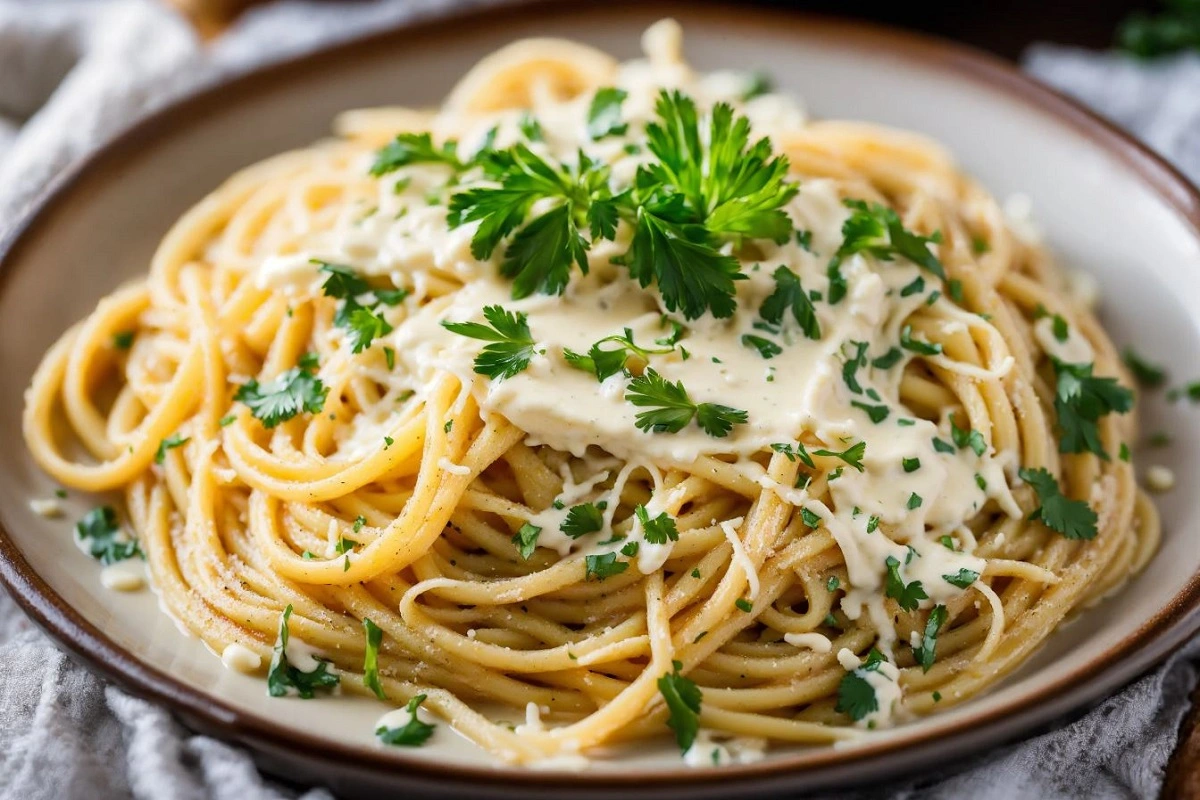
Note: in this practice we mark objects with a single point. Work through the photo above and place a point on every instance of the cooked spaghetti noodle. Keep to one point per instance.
(300, 416)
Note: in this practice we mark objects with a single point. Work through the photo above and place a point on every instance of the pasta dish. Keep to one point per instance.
(606, 402)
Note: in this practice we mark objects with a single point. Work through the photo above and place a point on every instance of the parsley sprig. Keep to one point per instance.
(789, 295)
(412, 733)
(288, 394)
(360, 310)
(856, 696)
(283, 678)
(606, 363)
(106, 541)
(877, 230)
(682, 697)
(907, 595)
(1074, 519)
(706, 185)
(1080, 399)
(511, 344)
(671, 409)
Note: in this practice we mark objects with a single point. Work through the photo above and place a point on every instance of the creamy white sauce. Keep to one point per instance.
(884, 680)
(817, 642)
(303, 656)
(128, 575)
(1160, 478)
(239, 658)
(887, 510)
(46, 507)
(713, 749)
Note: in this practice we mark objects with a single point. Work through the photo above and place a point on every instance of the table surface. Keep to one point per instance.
(1006, 34)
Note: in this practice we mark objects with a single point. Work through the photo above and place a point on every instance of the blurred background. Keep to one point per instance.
(1145, 27)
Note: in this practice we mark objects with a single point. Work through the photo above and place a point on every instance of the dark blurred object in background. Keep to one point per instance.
(1175, 28)
(1145, 28)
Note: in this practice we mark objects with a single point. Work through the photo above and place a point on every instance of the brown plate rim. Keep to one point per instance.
(321, 759)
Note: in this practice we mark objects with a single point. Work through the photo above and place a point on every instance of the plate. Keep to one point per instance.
(1106, 205)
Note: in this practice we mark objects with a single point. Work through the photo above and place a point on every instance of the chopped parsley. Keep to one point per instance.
(530, 128)
(907, 595)
(914, 501)
(682, 697)
(415, 148)
(765, 347)
(1147, 374)
(877, 413)
(284, 679)
(1074, 519)
(582, 519)
(606, 363)
(758, 83)
(360, 310)
(810, 518)
(911, 464)
(790, 295)
(106, 541)
(526, 539)
(965, 437)
(123, 340)
(888, 359)
(852, 455)
(374, 635)
(744, 605)
(917, 346)
(855, 695)
(657, 530)
(510, 344)
(877, 230)
(926, 652)
(794, 450)
(964, 577)
(1080, 399)
(412, 733)
(603, 566)
(604, 114)
(670, 408)
(290, 393)
(170, 443)
(832, 584)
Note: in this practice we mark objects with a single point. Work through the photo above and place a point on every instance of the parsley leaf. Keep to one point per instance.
(284, 679)
(692, 276)
(170, 443)
(414, 148)
(526, 539)
(964, 578)
(658, 530)
(290, 393)
(916, 345)
(765, 347)
(794, 450)
(374, 636)
(413, 733)
(878, 231)
(606, 363)
(604, 114)
(1148, 375)
(511, 345)
(968, 438)
(1080, 399)
(926, 652)
(671, 409)
(582, 519)
(603, 566)
(856, 696)
(106, 541)
(789, 294)
(907, 595)
(852, 455)
(1074, 519)
(683, 698)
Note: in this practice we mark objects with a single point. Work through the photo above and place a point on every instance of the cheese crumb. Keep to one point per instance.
(240, 658)
(48, 507)
(1160, 479)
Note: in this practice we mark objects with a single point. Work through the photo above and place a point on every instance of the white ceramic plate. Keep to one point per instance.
(1107, 206)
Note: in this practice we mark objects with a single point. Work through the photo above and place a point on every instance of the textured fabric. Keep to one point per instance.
(72, 73)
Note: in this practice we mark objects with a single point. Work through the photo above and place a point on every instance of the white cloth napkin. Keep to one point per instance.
(72, 73)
